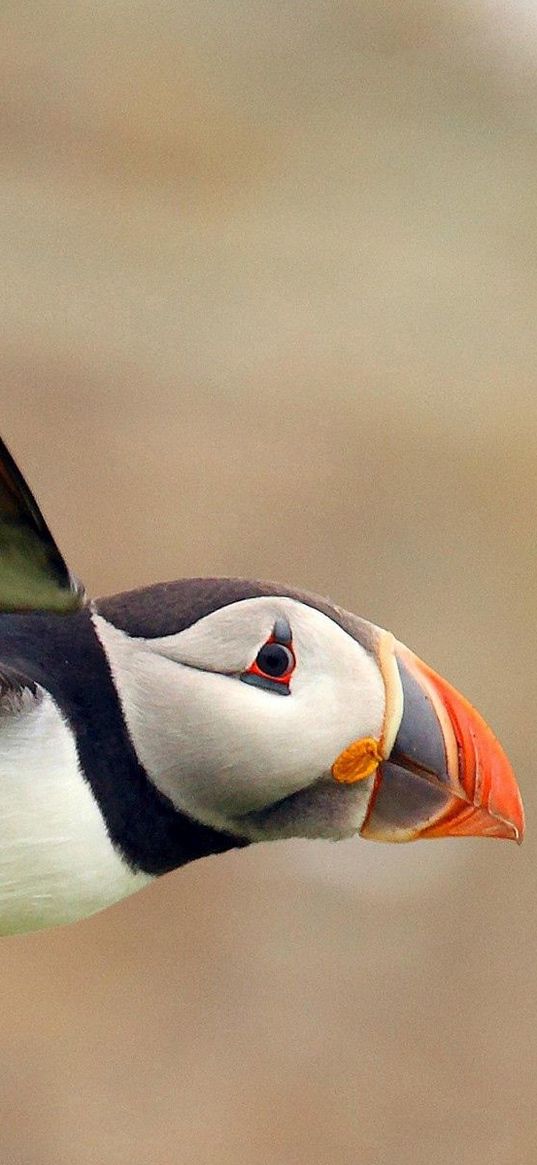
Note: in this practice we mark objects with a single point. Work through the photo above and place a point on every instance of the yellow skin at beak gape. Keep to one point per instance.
(471, 791)
(359, 760)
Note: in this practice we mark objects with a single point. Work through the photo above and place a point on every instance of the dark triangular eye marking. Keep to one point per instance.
(282, 632)
(33, 574)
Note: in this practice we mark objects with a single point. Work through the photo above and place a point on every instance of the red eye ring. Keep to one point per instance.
(274, 662)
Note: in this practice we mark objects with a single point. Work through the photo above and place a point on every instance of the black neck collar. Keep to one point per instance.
(64, 655)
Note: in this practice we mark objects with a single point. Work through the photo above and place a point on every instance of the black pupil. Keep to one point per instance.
(274, 660)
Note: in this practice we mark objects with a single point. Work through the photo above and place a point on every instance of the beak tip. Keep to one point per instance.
(505, 802)
(514, 834)
(509, 831)
(520, 829)
(519, 826)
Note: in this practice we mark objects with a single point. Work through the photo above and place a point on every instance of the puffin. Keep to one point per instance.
(145, 730)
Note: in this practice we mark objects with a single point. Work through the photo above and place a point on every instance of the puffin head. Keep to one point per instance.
(265, 713)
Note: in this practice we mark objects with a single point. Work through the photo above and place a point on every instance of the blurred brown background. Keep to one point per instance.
(269, 296)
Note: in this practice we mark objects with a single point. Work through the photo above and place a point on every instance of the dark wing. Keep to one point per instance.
(33, 574)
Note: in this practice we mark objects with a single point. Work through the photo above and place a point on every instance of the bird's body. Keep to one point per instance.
(143, 731)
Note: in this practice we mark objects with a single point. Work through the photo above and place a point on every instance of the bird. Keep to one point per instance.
(145, 730)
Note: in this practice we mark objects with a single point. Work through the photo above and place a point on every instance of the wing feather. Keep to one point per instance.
(33, 574)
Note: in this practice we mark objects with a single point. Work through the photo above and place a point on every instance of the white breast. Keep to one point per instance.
(57, 863)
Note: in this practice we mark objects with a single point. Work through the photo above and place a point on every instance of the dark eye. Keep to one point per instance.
(275, 660)
(274, 663)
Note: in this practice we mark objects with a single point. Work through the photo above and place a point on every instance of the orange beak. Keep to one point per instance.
(446, 774)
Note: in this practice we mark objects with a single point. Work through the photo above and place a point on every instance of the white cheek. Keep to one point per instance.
(220, 748)
(215, 746)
